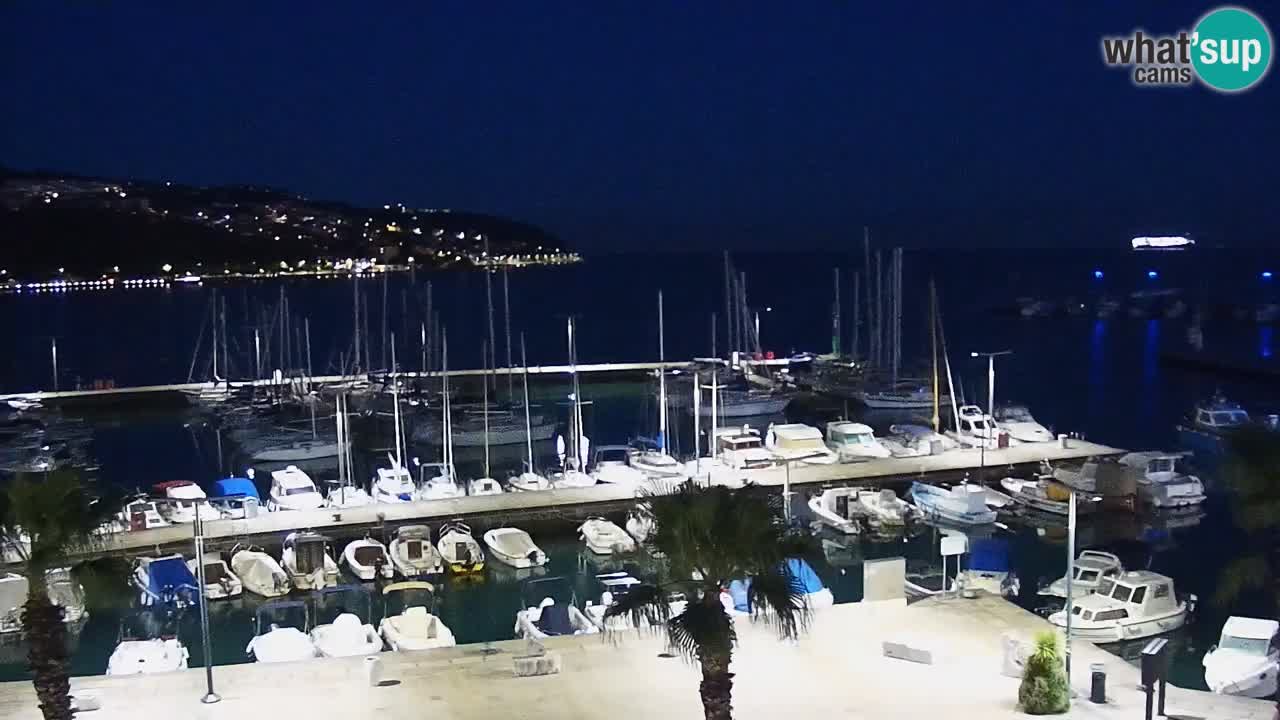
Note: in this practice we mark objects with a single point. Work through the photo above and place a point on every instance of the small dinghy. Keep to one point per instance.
(409, 620)
(604, 537)
(220, 581)
(146, 648)
(165, 580)
(280, 633)
(514, 547)
(412, 554)
(308, 561)
(459, 549)
(550, 609)
(367, 558)
(259, 572)
(884, 508)
(1246, 659)
(837, 508)
(346, 634)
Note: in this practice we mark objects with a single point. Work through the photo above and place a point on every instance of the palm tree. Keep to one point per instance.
(710, 537)
(44, 519)
(1252, 472)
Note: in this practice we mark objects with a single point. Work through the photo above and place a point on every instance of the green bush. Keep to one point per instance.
(1044, 689)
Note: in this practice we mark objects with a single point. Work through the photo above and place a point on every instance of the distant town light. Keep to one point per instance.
(1152, 274)
(1266, 274)
(1097, 274)
(166, 267)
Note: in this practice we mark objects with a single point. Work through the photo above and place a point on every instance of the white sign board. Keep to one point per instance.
(954, 545)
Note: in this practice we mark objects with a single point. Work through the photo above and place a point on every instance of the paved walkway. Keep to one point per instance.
(836, 671)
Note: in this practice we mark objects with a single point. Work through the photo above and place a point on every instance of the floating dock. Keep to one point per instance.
(579, 503)
(837, 669)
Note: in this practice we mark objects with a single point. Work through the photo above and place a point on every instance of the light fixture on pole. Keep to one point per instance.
(990, 424)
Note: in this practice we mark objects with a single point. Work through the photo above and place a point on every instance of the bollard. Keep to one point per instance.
(1098, 688)
(373, 671)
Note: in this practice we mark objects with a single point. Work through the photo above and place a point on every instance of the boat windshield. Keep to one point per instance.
(298, 490)
(1122, 593)
(853, 438)
(1251, 646)
(1014, 414)
(1105, 587)
(1229, 418)
(1086, 574)
(741, 443)
(1162, 465)
(980, 424)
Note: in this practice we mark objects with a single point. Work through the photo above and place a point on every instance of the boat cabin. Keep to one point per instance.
(291, 487)
(309, 552)
(143, 514)
(395, 482)
(1135, 594)
(1014, 413)
(977, 424)
(797, 440)
(743, 448)
(856, 438)
(1250, 636)
(1152, 466)
(610, 455)
(411, 539)
(1221, 416)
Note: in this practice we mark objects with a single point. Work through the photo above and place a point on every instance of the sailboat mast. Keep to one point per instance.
(933, 349)
(447, 423)
(488, 297)
(857, 317)
(506, 319)
(485, 400)
(571, 453)
(662, 379)
(395, 402)
(728, 311)
(697, 422)
(215, 336)
(528, 421)
(946, 360)
(715, 399)
(835, 314)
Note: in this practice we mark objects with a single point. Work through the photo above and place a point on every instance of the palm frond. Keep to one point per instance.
(701, 628)
(774, 596)
(56, 513)
(645, 605)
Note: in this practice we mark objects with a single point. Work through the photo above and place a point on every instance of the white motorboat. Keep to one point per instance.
(1046, 495)
(342, 496)
(308, 561)
(963, 504)
(409, 621)
(639, 525)
(346, 634)
(529, 481)
(367, 558)
(146, 650)
(281, 633)
(484, 486)
(611, 466)
(514, 547)
(1211, 424)
(743, 449)
(412, 553)
(164, 580)
(655, 463)
(550, 609)
(393, 484)
(837, 508)
(141, 514)
(1160, 483)
(615, 586)
(604, 537)
(997, 500)
(297, 451)
(978, 429)
(853, 441)
(794, 442)
(459, 550)
(988, 568)
(884, 508)
(63, 590)
(1091, 568)
(907, 440)
(1135, 605)
(185, 500)
(1246, 659)
(259, 573)
(293, 489)
(1017, 421)
(220, 581)
(571, 479)
(438, 482)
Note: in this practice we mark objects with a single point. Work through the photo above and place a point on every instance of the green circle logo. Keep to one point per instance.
(1231, 49)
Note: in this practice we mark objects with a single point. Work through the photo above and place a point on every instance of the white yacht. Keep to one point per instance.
(1017, 421)
(798, 442)
(837, 508)
(308, 561)
(342, 496)
(1246, 659)
(220, 581)
(976, 429)
(1133, 606)
(409, 620)
(281, 633)
(141, 514)
(393, 484)
(884, 508)
(459, 549)
(259, 573)
(964, 504)
(604, 537)
(1091, 568)
(412, 553)
(905, 398)
(367, 558)
(64, 590)
(907, 440)
(185, 500)
(571, 478)
(854, 441)
(514, 547)
(743, 449)
(530, 481)
(293, 489)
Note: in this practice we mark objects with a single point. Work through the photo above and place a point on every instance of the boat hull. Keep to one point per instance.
(1120, 632)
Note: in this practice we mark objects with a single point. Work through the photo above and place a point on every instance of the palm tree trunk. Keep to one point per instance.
(42, 622)
(717, 685)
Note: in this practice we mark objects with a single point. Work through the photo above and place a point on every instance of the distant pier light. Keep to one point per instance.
(1152, 274)
(1097, 274)
(1162, 242)
(1266, 274)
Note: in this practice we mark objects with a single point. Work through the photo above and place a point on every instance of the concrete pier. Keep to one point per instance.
(581, 502)
(836, 670)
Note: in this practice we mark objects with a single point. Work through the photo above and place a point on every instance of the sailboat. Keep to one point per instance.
(656, 462)
(345, 494)
(575, 453)
(487, 482)
(394, 484)
(529, 479)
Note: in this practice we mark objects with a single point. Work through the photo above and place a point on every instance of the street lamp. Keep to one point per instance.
(991, 399)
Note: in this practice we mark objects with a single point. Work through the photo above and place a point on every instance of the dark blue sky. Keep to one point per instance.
(681, 124)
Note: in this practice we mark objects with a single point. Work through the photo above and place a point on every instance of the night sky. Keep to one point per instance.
(669, 124)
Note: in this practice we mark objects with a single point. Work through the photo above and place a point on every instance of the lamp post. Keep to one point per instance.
(210, 697)
(991, 401)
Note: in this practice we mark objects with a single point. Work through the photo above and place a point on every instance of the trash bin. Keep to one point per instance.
(1098, 686)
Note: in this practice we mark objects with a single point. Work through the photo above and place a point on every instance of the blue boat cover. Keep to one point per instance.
(554, 620)
(803, 578)
(236, 486)
(989, 554)
(168, 577)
